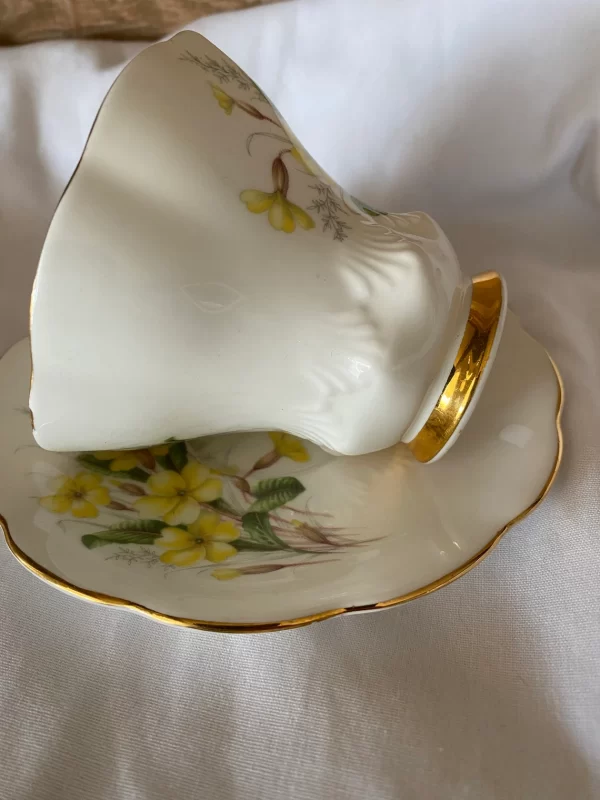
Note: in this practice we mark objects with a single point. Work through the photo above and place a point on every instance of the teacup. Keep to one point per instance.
(202, 274)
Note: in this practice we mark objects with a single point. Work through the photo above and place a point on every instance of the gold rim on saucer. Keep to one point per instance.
(469, 366)
(240, 627)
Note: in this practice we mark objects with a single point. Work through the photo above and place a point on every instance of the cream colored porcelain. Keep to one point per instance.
(261, 531)
(202, 275)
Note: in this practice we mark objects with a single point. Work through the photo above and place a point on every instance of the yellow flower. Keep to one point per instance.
(123, 460)
(288, 446)
(225, 101)
(206, 538)
(225, 573)
(176, 498)
(283, 215)
(79, 495)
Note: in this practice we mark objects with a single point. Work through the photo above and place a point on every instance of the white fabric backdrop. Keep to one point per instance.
(487, 115)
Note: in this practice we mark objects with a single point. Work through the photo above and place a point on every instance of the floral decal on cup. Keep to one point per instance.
(163, 506)
(282, 213)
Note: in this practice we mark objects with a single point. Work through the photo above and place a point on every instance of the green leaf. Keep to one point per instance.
(96, 465)
(258, 528)
(178, 455)
(92, 540)
(365, 207)
(145, 525)
(135, 532)
(274, 492)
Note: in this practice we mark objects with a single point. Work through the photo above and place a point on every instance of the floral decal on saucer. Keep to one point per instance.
(282, 213)
(163, 506)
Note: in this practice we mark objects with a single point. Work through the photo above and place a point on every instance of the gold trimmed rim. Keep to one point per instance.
(465, 382)
(252, 627)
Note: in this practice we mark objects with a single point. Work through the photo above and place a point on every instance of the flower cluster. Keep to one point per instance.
(164, 497)
(283, 215)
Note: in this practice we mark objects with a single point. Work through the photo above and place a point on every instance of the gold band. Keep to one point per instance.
(469, 365)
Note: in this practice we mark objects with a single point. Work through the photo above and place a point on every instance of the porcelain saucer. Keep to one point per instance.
(263, 531)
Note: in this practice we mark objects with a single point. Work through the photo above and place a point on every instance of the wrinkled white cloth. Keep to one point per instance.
(487, 115)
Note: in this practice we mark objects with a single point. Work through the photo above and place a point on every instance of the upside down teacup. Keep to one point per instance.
(203, 275)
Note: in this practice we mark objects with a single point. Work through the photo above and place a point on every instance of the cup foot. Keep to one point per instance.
(471, 366)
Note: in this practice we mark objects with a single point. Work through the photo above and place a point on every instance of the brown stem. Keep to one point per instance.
(253, 111)
(307, 513)
(117, 506)
(270, 458)
(281, 176)
(242, 484)
(221, 512)
(329, 528)
(146, 459)
(260, 569)
(274, 121)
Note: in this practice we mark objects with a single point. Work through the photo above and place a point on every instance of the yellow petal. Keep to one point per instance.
(280, 215)
(159, 449)
(225, 573)
(99, 496)
(57, 503)
(106, 455)
(62, 484)
(83, 508)
(302, 217)
(154, 507)
(289, 446)
(183, 558)
(123, 463)
(166, 484)
(194, 475)
(225, 101)
(205, 525)
(224, 532)
(174, 539)
(219, 551)
(120, 459)
(256, 201)
(183, 512)
(85, 481)
(210, 490)
(298, 453)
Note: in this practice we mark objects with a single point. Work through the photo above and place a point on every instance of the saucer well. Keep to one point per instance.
(262, 531)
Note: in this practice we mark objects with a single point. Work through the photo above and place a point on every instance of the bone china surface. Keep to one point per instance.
(203, 275)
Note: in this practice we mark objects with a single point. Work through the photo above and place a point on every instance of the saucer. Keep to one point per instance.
(263, 531)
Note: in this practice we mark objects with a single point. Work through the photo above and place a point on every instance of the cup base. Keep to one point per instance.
(469, 372)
